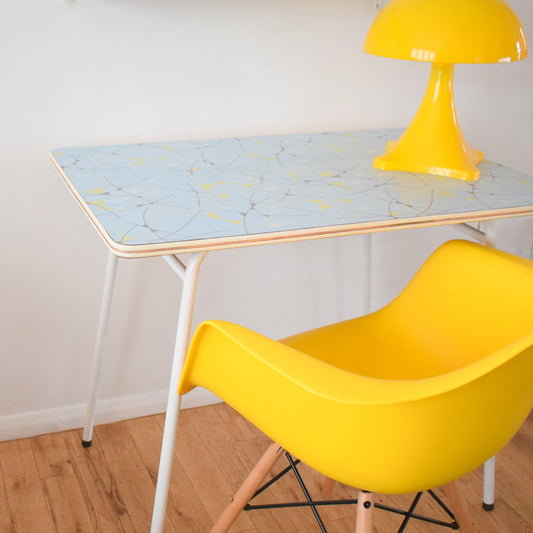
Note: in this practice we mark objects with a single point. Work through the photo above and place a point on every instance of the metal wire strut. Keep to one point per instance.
(313, 504)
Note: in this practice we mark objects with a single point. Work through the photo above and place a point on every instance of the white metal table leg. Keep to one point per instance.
(99, 348)
(489, 228)
(190, 277)
(489, 468)
(368, 275)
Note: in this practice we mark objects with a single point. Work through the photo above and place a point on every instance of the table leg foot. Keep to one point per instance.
(86, 443)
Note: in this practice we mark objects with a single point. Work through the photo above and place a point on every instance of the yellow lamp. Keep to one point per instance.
(443, 32)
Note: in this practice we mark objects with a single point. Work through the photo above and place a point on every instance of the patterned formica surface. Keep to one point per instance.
(148, 194)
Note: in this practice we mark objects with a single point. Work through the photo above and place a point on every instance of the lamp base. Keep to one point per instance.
(397, 159)
(433, 142)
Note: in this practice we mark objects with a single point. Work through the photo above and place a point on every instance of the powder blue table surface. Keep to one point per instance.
(168, 197)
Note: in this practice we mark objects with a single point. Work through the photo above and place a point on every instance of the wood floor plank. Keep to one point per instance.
(346, 525)
(73, 514)
(6, 521)
(516, 494)
(27, 504)
(51, 484)
(107, 511)
(223, 447)
(134, 486)
(239, 427)
(517, 459)
(51, 455)
(524, 437)
(185, 510)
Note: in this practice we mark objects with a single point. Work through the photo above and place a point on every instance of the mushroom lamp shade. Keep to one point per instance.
(443, 32)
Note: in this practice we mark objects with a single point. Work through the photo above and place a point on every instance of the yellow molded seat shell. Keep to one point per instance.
(404, 399)
(448, 31)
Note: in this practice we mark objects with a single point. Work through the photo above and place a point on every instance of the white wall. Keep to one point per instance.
(111, 71)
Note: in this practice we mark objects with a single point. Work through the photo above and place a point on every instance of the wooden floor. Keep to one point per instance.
(50, 483)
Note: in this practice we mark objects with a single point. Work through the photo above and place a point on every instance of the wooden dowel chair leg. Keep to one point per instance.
(458, 507)
(327, 487)
(365, 512)
(248, 489)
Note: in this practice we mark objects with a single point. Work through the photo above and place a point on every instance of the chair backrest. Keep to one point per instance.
(387, 434)
(467, 301)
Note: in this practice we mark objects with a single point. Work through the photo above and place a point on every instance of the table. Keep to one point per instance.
(160, 199)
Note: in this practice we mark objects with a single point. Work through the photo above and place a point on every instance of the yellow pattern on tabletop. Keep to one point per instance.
(321, 203)
(337, 148)
(263, 156)
(100, 204)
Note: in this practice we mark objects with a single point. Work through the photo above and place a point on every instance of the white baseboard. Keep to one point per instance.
(29, 424)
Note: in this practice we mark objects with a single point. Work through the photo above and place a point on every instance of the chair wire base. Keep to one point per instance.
(313, 504)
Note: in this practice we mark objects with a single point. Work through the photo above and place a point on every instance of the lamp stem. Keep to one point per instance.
(440, 89)
(437, 110)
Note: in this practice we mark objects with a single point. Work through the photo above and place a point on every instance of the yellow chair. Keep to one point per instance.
(404, 399)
